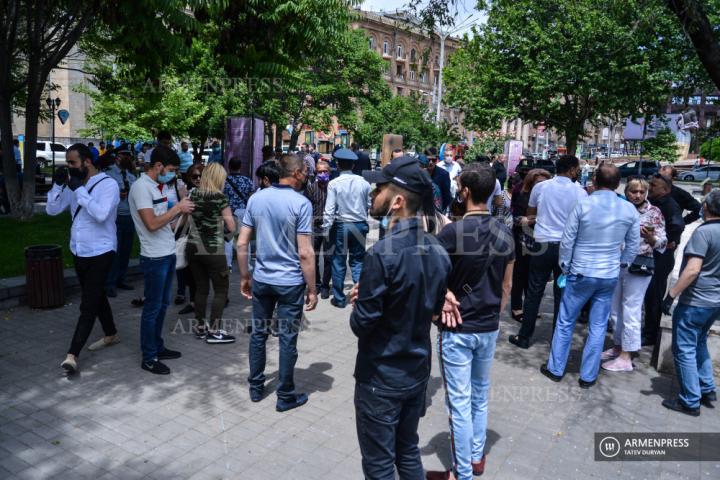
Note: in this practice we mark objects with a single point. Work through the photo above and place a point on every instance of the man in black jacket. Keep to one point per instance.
(363, 161)
(660, 195)
(682, 197)
(401, 290)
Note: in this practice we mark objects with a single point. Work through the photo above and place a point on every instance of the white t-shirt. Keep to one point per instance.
(496, 193)
(146, 193)
(554, 199)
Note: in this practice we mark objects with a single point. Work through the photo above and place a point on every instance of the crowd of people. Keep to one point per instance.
(457, 246)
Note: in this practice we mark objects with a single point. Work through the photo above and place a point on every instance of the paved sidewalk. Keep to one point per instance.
(116, 421)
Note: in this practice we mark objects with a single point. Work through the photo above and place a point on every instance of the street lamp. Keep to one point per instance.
(52, 105)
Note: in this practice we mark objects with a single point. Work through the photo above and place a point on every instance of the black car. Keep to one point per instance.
(529, 163)
(647, 168)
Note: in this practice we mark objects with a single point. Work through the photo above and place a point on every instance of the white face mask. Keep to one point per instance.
(385, 221)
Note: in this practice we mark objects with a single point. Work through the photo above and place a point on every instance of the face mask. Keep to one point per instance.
(323, 177)
(79, 173)
(385, 220)
(166, 177)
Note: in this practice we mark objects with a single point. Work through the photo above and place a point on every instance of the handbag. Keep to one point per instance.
(643, 266)
(181, 240)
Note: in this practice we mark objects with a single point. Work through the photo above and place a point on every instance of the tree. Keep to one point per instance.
(490, 144)
(710, 149)
(36, 35)
(663, 147)
(570, 64)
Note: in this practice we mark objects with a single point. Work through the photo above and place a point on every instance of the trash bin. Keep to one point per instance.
(44, 281)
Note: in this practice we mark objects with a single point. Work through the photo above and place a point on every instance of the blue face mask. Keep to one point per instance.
(166, 177)
(323, 177)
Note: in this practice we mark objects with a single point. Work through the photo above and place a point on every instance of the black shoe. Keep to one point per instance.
(283, 405)
(519, 341)
(137, 302)
(200, 333)
(586, 385)
(186, 309)
(219, 336)
(679, 407)
(125, 286)
(256, 394)
(324, 293)
(179, 299)
(337, 304)
(110, 292)
(555, 378)
(155, 367)
(707, 398)
(169, 355)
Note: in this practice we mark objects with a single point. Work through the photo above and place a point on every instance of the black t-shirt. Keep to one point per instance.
(474, 242)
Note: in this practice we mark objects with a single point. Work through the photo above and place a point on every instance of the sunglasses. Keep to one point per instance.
(195, 177)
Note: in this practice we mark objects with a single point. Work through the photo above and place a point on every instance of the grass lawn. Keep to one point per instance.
(40, 230)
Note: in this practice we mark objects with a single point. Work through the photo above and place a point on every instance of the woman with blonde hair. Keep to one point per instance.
(626, 313)
(206, 251)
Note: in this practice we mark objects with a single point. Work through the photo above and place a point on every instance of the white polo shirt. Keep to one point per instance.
(554, 199)
(146, 193)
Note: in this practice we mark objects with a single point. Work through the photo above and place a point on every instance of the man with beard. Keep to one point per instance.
(401, 290)
(92, 198)
(550, 205)
(284, 275)
(316, 192)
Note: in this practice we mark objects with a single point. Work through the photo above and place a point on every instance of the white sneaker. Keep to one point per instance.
(69, 365)
(102, 343)
(618, 365)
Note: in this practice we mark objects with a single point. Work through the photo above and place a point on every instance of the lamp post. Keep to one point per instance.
(52, 104)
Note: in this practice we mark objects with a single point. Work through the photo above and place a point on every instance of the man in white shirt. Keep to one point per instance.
(92, 198)
(550, 205)
(151, 216)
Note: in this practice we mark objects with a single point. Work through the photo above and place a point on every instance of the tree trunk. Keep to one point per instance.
(12, 186)
(698, 28)
(571, 141)
(294, 136)
(278, 136)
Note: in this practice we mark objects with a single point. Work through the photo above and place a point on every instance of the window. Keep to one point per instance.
(386, 48)
(371, 43)
(399, 51)
(41, 146)
(412, 74)
(413, 54)
(399, 71)
(399, 91)
(57, 147)
(423, 77)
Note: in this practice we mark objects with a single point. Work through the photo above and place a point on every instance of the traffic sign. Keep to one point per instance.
(63, 115)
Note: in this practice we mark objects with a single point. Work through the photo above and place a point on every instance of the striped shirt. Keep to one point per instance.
(317, 196)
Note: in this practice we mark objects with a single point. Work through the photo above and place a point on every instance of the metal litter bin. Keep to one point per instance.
(44, 280)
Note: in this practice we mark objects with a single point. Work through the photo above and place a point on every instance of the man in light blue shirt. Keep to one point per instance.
(346, 210)
(591, 256)
(284, 268)
(186, 157)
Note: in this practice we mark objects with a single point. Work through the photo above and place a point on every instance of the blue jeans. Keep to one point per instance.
(158, 273)
(349, 240)
(289, 302)
(125, 238)
(689, 346)
(465, 360)
(578, 291)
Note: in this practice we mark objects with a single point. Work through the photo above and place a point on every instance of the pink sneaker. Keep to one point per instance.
(618, 365)
(610, 354)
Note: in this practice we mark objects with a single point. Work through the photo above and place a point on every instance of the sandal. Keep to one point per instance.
(518, 317)
(137, 302)
(518, 341)
(186, 309)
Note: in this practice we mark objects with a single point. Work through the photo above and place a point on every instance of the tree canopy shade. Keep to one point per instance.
(565, 63)
(662, 147)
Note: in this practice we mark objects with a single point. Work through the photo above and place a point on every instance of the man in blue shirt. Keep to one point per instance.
(346, 210)
(186, 157)
(401, 290)
(440, 177)
(284, 268)
(591, 258)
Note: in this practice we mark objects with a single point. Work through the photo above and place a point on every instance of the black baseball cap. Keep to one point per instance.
(405, 172)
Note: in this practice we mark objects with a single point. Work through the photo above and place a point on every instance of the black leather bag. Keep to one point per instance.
(643, 266)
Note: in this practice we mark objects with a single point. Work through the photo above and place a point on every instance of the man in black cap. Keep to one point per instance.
(439, 176)
(346, 209)
(401, 290)
(363, 162)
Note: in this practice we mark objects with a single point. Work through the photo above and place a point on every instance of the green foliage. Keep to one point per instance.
(489, 143)
(710, 149)
(565, 63)
(662, 147)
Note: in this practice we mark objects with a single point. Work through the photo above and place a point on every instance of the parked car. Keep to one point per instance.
(646, 169)
(701, 173)
(44, 153)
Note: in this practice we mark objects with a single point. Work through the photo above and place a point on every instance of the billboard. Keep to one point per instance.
(244, 138)
(677, 123)
(513, 153)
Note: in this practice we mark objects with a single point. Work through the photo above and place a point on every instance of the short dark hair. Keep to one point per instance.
(313, 145)
(267, 152)
(165, 155)
(479, 178)
(269, 169)
(482, 158)
(345, 164)
(16, 142)
(102, 143)
(397, 150)
(566, 163)
(713, 202)
(413, 201)
(83, 151)
(90, 144)
(673, 171)
(354, 146)
(431, 152)
(235, 163)
(183, 143)
(607, 175)
(289, 163)
(164, 135)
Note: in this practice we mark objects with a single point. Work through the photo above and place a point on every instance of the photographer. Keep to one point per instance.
(122, 172)
(92, 198)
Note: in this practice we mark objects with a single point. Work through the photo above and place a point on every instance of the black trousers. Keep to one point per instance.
(387, 424)
(521, 270)
(664, 264)
(323, 249)
(542, 264)
(208, 268)
(92, 273)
